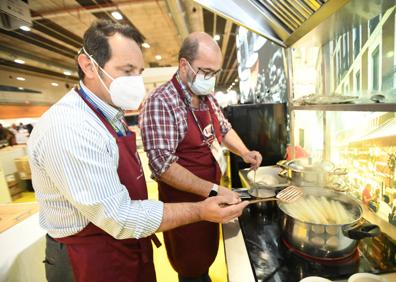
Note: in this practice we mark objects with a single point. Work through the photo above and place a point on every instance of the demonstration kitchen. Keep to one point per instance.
(309, 84)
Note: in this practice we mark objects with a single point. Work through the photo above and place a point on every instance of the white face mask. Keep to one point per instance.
(201, 86)
(126, 92)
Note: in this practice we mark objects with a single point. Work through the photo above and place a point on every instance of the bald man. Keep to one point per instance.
(183, 129)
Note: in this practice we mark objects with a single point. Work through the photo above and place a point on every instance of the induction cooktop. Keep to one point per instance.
(272, 258)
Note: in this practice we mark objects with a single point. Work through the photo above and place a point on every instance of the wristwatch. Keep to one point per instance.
(214, 191)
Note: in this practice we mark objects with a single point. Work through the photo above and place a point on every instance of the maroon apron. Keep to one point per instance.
(97, 256)
(193, 248)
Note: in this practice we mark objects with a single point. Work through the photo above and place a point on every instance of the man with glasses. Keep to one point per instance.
(182, 128)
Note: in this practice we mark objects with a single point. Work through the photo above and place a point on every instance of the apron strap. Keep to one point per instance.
(155, 240)
(100, 115)
(212, 114)
(216, 123)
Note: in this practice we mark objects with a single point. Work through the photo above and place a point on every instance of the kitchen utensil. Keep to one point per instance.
(366, 277)
(314, 279)
(378, 98)
(302, 174)
(265, 177)
(326, 241)
(287, 195)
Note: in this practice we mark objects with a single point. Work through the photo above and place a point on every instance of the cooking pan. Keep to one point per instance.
(266, 177)
(257, 192)
(312, 175)
(322, 240)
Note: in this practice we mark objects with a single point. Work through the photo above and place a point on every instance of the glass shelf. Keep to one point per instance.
(379, 107)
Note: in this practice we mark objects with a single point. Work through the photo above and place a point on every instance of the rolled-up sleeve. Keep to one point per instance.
(159, 133)
(85, 173)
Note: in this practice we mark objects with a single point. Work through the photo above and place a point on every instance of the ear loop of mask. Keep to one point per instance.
(93, 61)
(195, 73)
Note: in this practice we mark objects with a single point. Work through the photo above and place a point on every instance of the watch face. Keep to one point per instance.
(212, 193)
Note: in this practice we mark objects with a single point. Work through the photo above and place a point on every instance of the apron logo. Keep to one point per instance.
(208, 134)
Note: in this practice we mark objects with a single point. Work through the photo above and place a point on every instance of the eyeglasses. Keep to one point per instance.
(207, 74)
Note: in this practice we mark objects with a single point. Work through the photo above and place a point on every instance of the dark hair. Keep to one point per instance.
(189, 49)
(95, 40)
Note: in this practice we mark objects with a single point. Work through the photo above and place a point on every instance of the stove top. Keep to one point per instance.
(273, 260)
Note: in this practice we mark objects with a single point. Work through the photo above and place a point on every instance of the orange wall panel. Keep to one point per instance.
(21, 111)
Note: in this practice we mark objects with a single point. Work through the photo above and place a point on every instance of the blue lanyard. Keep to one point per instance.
(89, 99)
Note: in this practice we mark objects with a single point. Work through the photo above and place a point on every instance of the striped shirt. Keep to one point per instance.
(163, 124)
(74, 161)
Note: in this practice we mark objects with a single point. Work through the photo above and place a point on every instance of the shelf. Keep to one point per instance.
(391, 107)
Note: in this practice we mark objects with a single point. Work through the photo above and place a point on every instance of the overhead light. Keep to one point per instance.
(158, 57)
(67, 73)
(20, 88)
(54, 84)
(236, 79)
(19, 61)
(146, 45)
(21, 78)
(117, 15)
(25, 28)
(216, 37)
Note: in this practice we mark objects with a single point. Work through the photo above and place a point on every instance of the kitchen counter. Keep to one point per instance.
(239, 267)
(254, 255)
(22, 251)
(238, 264)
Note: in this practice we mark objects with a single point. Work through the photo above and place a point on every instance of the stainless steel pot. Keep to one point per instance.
(326, 240)
(318, 175)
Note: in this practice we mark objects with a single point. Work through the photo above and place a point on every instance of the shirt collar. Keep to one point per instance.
(111, 113)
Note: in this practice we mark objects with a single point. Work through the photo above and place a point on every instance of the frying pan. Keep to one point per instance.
(257, 193)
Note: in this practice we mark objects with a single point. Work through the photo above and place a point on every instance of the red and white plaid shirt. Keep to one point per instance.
(163, 124)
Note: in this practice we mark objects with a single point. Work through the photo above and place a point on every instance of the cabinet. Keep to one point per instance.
(358, 60)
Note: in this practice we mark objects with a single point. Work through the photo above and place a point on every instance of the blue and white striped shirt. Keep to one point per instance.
(74, 161)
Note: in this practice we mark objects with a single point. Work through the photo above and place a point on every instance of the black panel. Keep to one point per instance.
(262, 127)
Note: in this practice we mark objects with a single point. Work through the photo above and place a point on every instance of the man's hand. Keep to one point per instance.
(223, 191)
(221, 209)
(253, 158)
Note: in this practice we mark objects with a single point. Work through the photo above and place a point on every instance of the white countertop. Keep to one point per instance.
(23, 251)
(238, 264)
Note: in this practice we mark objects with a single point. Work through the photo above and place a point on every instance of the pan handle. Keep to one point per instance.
(358, 232)
(243, 193)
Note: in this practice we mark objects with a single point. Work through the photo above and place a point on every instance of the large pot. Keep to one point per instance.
(326, 240)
